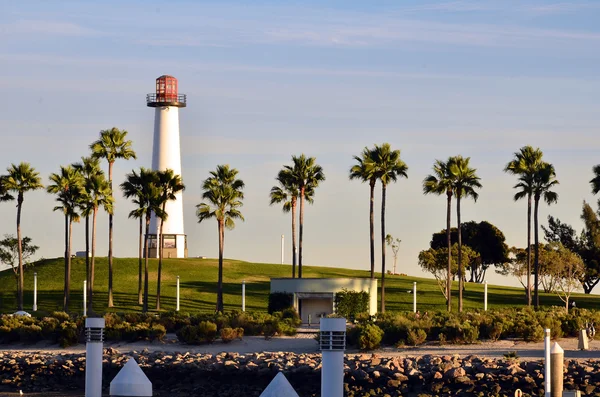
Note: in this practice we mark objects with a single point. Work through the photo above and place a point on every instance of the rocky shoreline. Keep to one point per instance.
(233, 374)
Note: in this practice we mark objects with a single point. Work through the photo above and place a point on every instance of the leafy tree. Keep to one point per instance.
(388, 168)
(143, 188)
(306, 175)
(595, 181)
(223, 197)
(434, 261)
(525, 164)
(394, 244)
(365, 171)
(464, 183)
(112, 145)
(485, 239)
(20, 179)
(169, 185)
(516, 266)
(565, 269)
(440, 182)
(9, 255)
(68, 188)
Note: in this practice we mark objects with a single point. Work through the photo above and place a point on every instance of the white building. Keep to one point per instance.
(316, 296)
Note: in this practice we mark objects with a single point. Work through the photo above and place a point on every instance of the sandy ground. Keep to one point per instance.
(304, 343)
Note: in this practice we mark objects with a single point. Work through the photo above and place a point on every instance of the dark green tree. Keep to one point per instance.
(9, 254)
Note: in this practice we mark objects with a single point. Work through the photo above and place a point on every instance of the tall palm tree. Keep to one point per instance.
(544, 180)
(111, 146)
(138, 213)
(306, 174)
(388, 168)
(525, 164)
(440, 182)
(89, 167)
(223, 197)
(464, 183)
(143, 188)
(364, 170)
(68, 186)
(169, 185)
(20, 179)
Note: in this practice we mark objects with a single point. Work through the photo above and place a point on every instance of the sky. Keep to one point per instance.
(266, 80)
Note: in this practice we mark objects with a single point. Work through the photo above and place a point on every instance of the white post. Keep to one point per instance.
(84, 298)
(415, 297)
(557, 358)
(35, 291)
(282, 248)
(177, 308)
(244, 295)
(547, 382)
(333, 344)
(485, 296)
(94, 335)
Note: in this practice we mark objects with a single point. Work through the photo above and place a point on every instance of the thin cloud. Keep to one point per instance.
(46, 27)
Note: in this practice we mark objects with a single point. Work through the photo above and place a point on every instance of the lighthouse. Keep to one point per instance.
(166, 154)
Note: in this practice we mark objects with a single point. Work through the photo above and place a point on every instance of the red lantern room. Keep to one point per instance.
(166, 93)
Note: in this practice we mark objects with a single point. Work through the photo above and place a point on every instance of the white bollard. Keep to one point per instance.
(557, 358)
(333, 344)
(177, 308)
(279, 387)
(485, 296)
(282, 249)
(84, 298)
(131, 381)
(415, 297)
(244, 295)
(94, 336)
(547, 383)
(35, 291)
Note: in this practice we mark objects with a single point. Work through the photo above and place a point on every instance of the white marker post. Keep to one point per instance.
(333, 344)
(547, 382)
(244, 295)
(282, 248)
(84, 298)
(94, 336)
(177, 308)
(35, 291)
(485, 296)
(415, 297)
(557, 359)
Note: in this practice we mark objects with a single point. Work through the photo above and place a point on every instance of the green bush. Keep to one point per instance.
(30, 333)
(61, 316)
(68, 334)
(369, 336)
(173, 321)
(291, 314)
(157, 332)
(204, 332)
(229, 334)
(350, 304)
(416, 337)
(49, 327)
(279, 301)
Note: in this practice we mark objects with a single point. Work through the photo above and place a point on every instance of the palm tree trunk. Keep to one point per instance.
(461, 281)
(220, 280)
(92, 263)
(536, 255)
(140, 255)
(528, 294)
(20, 248)
(372, 226)
(294, 204)
(110, 242)
(383, 248)
(301, 232)
(66, 290)
(87, 253)
(449, 241)
(160, 258)
(68, 286)
(145, 303)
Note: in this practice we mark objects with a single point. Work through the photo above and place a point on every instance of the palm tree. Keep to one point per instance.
(138, 213)
(544, 179)
(223, 195)
(20, 179)
(388, 168)
(364, 170)
(68, 186)
(142, 187)
(525, 164)
(464, 183)
(440, 182)
(595, 181)
(169, 185)
(306, 174)
(111, 146)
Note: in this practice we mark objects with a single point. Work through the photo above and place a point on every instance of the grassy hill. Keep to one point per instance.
(198, 279)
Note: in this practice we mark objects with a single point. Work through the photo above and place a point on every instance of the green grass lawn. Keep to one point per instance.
(199, 282)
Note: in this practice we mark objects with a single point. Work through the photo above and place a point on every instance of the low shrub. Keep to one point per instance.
(157, 332)
(229, 334)
(68, 334)
(350, 304)
(204, 332)
(416, 337)
(30, 333)
(369, 336)
(279, 301)
(61, 316)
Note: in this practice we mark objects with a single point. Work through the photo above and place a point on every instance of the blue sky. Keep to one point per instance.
(266, 80)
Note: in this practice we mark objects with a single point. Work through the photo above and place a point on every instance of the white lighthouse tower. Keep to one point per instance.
(166, 154)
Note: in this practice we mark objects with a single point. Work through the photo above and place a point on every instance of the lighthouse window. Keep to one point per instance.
(170, 241)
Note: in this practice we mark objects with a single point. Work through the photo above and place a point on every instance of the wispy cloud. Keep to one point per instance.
(47, 27)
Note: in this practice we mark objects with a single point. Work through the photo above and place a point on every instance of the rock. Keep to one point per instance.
(455, 373)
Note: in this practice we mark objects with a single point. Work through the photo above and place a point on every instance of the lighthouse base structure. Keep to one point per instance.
(174, 246)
